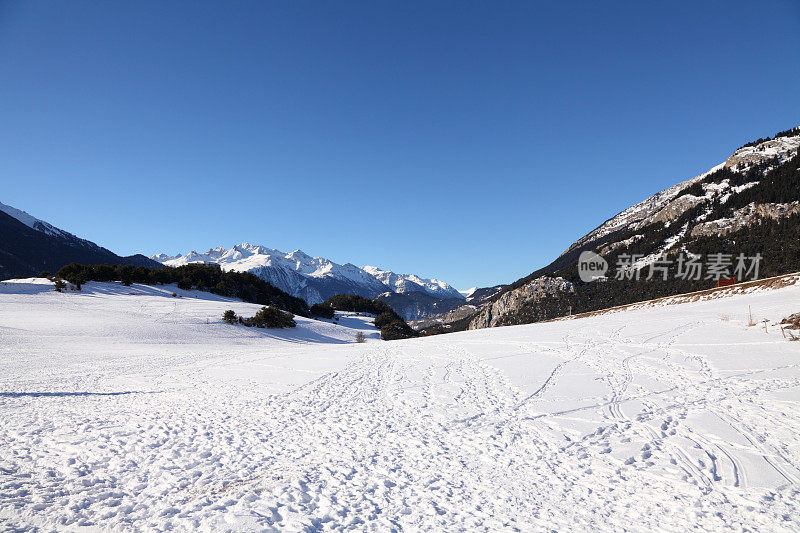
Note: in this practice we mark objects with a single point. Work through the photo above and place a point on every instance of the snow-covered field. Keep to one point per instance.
(143, 411)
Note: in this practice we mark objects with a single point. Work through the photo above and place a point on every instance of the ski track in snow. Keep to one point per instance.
(130, 412)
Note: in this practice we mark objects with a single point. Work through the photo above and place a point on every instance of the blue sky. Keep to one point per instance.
(471, 141)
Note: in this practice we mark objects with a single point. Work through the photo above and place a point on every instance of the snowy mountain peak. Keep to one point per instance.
(469, 292)
(314, 279)
(162, 258)
(404, 283)
(219, 251)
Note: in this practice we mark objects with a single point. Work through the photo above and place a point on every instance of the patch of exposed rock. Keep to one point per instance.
(510, 301)
(746, 216)
(676, 208)
(444, 319)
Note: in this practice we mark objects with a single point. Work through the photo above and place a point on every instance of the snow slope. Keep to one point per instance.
(122, 411)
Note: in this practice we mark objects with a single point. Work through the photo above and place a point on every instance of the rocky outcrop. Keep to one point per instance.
(746, 216)
(444, 320)
(781, 149)
(675, 209)
(491, 314)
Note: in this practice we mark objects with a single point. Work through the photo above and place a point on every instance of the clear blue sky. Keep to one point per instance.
(471, 141)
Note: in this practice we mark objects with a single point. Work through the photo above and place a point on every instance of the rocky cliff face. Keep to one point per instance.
(508, 302)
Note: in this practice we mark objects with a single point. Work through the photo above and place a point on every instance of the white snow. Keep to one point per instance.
(145, 412)
(20, 215)
(469, 292)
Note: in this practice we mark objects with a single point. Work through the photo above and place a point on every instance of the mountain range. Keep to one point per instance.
(748, 204)
(29, 246)
(315, 279)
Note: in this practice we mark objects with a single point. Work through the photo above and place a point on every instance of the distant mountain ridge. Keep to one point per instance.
(29, 246)
(315, 279)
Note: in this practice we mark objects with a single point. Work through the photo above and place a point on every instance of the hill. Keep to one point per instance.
(29, 246)
(747, 206)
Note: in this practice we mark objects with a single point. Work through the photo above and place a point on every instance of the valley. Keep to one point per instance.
(129, 408)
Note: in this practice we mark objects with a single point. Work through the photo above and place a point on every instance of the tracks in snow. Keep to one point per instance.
(419, 435)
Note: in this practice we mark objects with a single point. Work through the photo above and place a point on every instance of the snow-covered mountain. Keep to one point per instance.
(670, 203)
(315, 279)
(404, 283)
(44, 227)
(748, 204)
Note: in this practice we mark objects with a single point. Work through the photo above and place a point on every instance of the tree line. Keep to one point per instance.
(210, 278)
(391, 324)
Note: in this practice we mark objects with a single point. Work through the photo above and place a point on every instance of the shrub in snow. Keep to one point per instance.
(397, 330)
(229, 316)
(384, 319)
(60, 285)
(360, 337)
(322, 310)
(792, 321)
(271, 317)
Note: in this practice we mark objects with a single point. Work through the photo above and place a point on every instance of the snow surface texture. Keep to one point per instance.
(291, 272)
(143, 411)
